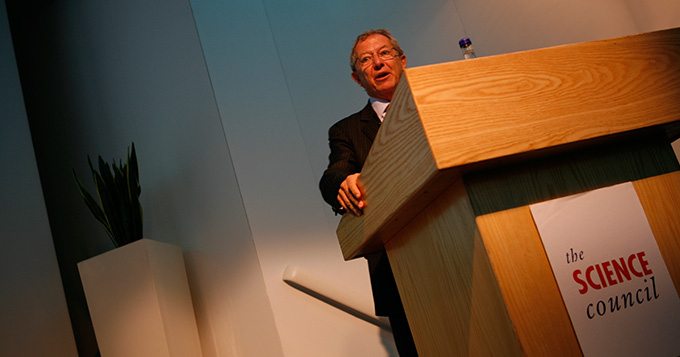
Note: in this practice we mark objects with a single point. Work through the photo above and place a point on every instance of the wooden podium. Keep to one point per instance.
(468, 145)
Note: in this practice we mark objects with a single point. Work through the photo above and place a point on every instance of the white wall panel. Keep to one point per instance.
(285, 214)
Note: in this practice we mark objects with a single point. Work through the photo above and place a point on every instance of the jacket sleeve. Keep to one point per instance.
(342, 162)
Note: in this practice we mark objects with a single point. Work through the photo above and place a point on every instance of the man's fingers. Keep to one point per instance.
(353, 186)
(349, 195)
(350, 204)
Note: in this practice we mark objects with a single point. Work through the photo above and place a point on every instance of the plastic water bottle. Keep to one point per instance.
(466, 46)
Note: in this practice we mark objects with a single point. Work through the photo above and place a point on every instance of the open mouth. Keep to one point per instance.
(382, 75)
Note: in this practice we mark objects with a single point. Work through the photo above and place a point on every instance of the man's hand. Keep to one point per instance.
(350, 195)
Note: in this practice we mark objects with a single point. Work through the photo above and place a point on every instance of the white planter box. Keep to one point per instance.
(139, 301)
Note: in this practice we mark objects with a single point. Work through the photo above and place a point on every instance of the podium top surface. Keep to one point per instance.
(497, 106)
(448, 116)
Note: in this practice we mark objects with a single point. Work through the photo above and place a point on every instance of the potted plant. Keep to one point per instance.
(119, 210)
(137, 294)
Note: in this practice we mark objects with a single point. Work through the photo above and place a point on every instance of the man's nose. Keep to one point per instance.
(377, 61)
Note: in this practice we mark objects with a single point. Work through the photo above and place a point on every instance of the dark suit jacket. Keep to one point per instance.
(350, 140)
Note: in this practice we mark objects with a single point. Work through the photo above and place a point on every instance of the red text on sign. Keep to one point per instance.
(612, 272)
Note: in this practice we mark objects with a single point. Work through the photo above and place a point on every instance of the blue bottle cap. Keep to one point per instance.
(464, 41)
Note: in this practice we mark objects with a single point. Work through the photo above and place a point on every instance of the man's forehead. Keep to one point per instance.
(381, 41)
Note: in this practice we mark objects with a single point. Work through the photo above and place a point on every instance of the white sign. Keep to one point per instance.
(612, 277)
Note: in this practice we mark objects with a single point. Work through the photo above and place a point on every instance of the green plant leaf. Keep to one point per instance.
(119, 210)
(134, 191)
(125, 204)
(108, 197)
(93, 206)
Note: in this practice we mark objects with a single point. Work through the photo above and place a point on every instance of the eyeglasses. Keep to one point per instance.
(385, 54)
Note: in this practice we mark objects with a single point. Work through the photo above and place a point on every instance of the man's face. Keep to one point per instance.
(378, 76)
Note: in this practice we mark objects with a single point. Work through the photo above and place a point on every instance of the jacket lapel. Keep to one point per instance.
(369, 122)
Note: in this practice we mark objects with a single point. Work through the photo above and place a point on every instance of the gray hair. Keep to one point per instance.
(363, 36)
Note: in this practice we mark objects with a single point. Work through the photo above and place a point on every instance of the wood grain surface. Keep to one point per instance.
(508, 104)
(446, 282)
(527, 283)
(660, 198)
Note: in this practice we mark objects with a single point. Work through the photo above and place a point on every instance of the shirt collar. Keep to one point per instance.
(379, 106)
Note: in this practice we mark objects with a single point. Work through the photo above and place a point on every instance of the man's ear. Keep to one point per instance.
(355, 77)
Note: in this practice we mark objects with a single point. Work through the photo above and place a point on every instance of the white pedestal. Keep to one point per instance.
(139, 301)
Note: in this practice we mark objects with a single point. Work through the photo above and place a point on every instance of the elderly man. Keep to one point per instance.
(377, 62)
